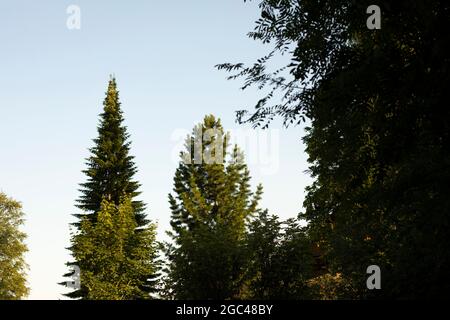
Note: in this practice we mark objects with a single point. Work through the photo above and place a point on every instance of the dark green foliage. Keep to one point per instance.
(379, 135)
(210, 207)
(129, 270)
(208, 263)
(110, 167)
(281, 261)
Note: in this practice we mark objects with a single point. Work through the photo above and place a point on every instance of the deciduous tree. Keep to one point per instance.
(12, 248)
(378, 137)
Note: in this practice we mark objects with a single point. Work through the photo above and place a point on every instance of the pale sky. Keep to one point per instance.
(163, 53)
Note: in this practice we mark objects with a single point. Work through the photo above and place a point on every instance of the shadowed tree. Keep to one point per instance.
(281, 261)
(379, 134)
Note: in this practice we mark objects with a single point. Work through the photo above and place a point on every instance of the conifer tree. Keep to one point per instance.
(110, 167)
(116, 262)
(12, 248)
(211, 204)
(110, 177)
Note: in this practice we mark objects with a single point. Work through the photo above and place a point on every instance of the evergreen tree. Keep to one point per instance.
(109, 177)
(12, 248)
(116, 262)
(110, 167)
(210, 208)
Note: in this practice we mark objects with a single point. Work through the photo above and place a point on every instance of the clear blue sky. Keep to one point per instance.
(52, 84)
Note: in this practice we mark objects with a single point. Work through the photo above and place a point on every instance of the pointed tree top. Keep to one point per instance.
(112, 83)
(111, 102)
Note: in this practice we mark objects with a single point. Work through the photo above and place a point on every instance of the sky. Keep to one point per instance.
(52, 84)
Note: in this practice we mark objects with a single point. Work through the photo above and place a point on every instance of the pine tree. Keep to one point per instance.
(12, 248)
(109, 177)
(210, 208)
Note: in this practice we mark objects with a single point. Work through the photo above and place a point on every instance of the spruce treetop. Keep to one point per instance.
(110, 167)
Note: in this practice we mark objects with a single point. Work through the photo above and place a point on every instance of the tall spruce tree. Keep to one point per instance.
(110, 167)
(110, 178)
(211, 205)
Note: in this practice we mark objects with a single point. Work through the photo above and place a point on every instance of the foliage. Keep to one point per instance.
(378, 138)
(331, 287)
(115, 259)
(12, 248)
(110, 177)
(110, 167)
(211, 203)
(281, 261)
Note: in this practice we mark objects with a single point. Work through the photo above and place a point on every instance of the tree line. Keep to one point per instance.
(377, 144)
(223, 245)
